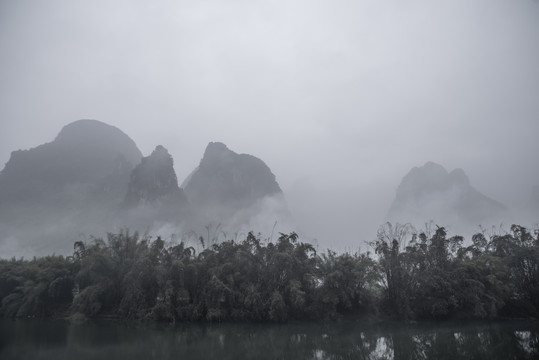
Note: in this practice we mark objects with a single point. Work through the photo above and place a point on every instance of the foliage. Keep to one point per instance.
(439, 278)
(40, 287)
(412, 275)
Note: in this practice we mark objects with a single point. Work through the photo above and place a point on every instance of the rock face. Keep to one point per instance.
(226, 183)
(431, 193)
(153, 185)
(92, 179)
(226, 178)
(75, 184)
(154, 180)
(86, 154)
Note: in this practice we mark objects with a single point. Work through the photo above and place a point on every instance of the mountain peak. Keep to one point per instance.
(160, 152)
(94, 135)
(431, 193)
(215, 147)
(68, 186)
(430, 169)
(229, 180)
(217, 153)
(84, 152)
(154, 179)
(84, 129)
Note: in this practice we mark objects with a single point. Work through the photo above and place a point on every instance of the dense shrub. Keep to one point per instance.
(411, 276)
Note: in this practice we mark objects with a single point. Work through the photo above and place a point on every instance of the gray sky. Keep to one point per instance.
(340, 98)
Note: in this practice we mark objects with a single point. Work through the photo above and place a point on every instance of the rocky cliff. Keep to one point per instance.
(153, 189)
(53, 194)
(233, 188)
(86, 156)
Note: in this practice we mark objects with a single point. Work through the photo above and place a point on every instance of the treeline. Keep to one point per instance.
(411, 276)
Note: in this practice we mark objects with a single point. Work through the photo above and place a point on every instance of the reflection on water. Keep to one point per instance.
(47, 339)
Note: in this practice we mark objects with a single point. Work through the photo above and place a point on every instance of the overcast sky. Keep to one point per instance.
(340, 98)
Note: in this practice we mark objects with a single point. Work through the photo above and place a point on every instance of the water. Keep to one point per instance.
(56, 339)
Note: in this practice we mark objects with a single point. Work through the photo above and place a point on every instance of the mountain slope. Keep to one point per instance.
(85, 152)
(229, 179)
(233, 188)
(431, 193)
(153, 192)
(73, 185)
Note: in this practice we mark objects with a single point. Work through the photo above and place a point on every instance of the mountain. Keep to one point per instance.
(229, 179)
(431, 192)
(229, 187)
(92, 179)
(75, 184)
(86, 154)
(153, 189)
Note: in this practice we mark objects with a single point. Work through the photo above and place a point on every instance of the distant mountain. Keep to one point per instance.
(153, 186)
(431, 193)
(74, 184)
(86, 154)
(228, 187)
(154, 180)
(92, 179)
(226, 178)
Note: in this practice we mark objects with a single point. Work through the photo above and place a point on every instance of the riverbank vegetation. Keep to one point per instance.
(410, 276)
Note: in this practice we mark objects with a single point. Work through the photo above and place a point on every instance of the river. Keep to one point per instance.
(102, 339)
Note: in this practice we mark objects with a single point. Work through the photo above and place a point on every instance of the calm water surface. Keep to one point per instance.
(56, 339)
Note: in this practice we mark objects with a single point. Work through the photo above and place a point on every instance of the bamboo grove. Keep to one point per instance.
(410, 276)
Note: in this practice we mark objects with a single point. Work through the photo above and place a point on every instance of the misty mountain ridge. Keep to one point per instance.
(234, 189)
(52, 193)
(85, 153)
(431, 192)
(154, 180)
(93, 178)
(153, 193)
(230, 179)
